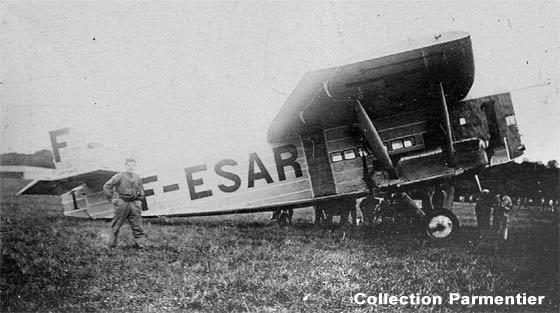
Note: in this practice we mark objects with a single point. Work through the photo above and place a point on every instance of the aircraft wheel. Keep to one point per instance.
(441, 224)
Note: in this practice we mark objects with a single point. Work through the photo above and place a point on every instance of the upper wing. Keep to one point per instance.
(385, 85)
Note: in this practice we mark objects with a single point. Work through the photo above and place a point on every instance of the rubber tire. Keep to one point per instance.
(447, 217)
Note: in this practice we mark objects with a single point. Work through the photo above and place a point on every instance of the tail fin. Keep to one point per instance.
(72, 152)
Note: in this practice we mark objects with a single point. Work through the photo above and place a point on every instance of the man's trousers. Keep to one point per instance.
(131, 212)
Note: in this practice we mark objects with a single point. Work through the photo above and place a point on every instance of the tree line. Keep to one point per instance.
(532, 180)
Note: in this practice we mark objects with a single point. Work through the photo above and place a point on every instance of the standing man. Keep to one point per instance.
(500, 215)
(319, 214)
(483, 212)
(127, 186)
(368, 206)
(438, 198)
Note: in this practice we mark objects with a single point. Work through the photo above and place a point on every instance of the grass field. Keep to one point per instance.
(246, 263)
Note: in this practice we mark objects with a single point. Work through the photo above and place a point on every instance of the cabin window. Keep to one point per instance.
(510, 120)
(408, 142)
(349, 154)
(462, 121)
(396, 144)
(336, 157)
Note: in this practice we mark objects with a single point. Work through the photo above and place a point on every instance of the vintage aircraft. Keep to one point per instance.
(396, 123)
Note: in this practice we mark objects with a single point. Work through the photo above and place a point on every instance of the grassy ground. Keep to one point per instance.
(246, 263)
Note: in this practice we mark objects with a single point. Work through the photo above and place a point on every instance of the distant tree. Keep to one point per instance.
(41, 158)
(552, 164)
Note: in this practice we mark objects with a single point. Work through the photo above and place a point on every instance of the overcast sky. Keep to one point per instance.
(195, 78)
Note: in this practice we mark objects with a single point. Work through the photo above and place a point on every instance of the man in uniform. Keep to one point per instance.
(127, 186)
(483, 212)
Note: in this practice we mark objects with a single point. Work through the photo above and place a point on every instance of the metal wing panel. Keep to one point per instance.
(94, 179)
(396, 82)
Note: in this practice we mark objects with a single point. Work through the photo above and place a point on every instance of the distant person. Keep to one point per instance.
(331, 210)
(483, 212)
(126, 193)
(319, 214)
(340, 208)
(275, 215)
(500, 215)
(438, 198)
(369, 206)
(349, 208)
(283, 216)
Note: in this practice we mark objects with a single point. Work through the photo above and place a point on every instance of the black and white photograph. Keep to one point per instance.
(279, 156)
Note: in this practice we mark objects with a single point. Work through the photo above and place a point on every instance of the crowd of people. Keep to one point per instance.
(543, 205)
(492, 214)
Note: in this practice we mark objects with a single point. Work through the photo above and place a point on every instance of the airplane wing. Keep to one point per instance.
(387, 85)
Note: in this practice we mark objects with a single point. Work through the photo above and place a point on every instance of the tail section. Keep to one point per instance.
(83, 202)
(82, 168)
(73, 153)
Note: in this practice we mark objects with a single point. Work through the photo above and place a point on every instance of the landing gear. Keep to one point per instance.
(435, 217)
(441, 224)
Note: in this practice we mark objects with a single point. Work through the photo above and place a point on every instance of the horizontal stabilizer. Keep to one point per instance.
(57, 186)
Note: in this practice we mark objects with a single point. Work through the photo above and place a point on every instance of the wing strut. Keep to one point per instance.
(372, 137)
(449, 134)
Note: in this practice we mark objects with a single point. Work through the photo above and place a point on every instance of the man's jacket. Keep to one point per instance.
(127, 185)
